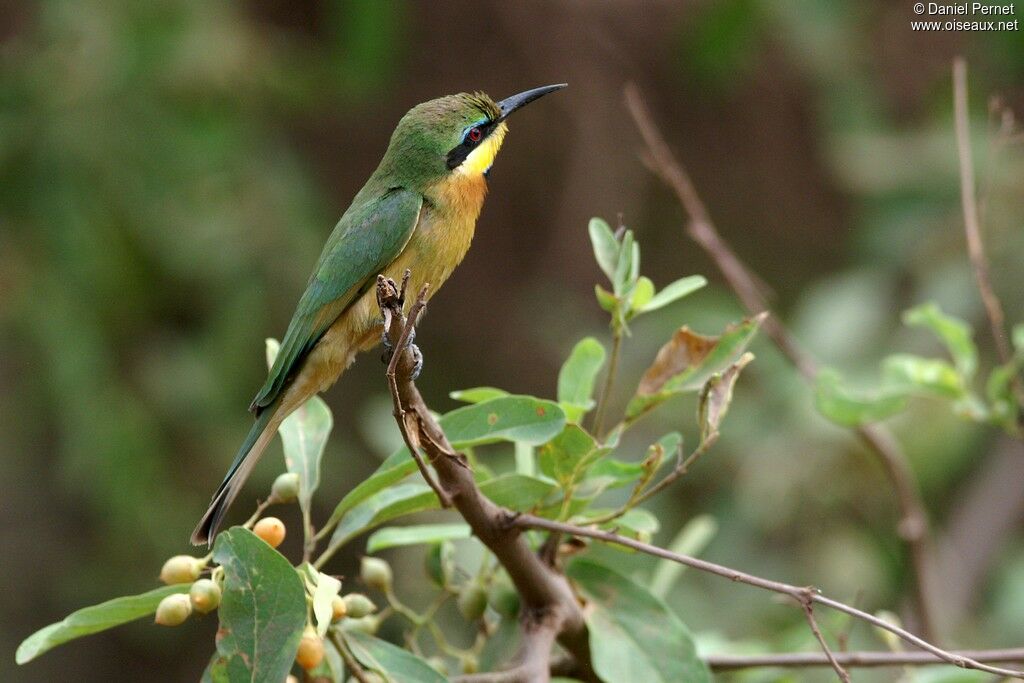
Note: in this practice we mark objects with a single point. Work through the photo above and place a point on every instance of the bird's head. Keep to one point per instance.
(457, 134)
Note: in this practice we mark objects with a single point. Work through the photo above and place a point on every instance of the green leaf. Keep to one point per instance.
(380, 507)
(509, 418)
(624, 266)
(94, 619)
(904, 372)
(263, 610)
(634, 265)
(576, 378)
(606, 247)
(635, 523)
(633, 635)
(716, 395)
(642, 294)
(396, 664)
(416, 535)
(1017, 337)
(386, 476)
(517, 492)
(673, 292)
(567, 457)
(954, 333)
(477, 394)
(612, 473)
(605, 299)
(523, 419)
(501, 647)
(999, 391)
(514, 491)
(845, 407)
(304, 434)
(687, 361)
(439, 563)
(691, 540)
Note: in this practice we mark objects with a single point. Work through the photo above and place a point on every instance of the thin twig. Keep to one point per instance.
(609, 383)
(350, 661)
(797, 593)
(913, 525)
(640, 496)
(796, 660)
(808, 606)
(403, 341)
(972, 224)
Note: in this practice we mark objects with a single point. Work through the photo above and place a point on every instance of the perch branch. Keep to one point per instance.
(913, 525)
(549, 608)
(799, 660)
(801, 595)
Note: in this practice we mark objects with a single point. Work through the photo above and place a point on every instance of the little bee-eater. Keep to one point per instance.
(418, 211)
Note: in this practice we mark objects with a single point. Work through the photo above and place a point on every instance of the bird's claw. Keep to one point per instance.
(389, 349)
(417, 357)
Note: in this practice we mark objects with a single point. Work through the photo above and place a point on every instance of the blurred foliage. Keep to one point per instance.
(168, 171)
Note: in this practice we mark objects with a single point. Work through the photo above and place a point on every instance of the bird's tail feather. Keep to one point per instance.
(260, 436)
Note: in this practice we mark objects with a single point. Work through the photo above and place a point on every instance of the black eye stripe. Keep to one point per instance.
(458, 154)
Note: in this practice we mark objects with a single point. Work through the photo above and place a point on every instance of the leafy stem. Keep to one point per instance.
(609, 381)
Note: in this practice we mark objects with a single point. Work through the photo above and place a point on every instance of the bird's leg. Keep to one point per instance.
(385, 340)
(417, 357)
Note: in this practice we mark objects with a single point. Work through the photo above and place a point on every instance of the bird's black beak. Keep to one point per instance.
(510, 104)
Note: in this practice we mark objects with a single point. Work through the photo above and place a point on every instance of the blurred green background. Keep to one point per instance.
(169, 171)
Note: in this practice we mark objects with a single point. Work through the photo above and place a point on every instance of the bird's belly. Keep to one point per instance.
(436, 247)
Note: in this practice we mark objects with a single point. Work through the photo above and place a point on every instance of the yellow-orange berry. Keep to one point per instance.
(311, 650)
(271, 530)
(338, 608)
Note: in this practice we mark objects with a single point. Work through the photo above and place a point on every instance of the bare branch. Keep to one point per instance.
(549, 607)
(808, 606)
(533, 659)
(856, 659)
(797, 593)
(351, 664)
(972, 223)
(913, 525)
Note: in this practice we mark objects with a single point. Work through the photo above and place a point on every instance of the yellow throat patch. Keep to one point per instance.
(481, 158)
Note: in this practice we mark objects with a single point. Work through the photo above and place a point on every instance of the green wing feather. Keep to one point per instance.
(365, 241)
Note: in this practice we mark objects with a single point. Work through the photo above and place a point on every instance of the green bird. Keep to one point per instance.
(418, 211)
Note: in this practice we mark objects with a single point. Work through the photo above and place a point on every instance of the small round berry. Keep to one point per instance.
(375, 573)
(173, 610)
(311, 650)
(472, 601)
(358, 605)
(204, 595)
(271, 530)
(285, 488)
(338, 608)
(181, 569)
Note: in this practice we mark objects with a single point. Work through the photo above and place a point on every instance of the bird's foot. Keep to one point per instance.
(389, 347)
(417, 357)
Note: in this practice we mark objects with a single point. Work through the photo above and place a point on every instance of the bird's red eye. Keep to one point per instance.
(475, 134)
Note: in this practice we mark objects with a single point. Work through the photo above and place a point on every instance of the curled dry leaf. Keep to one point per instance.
(716, 396)
(685, 349)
